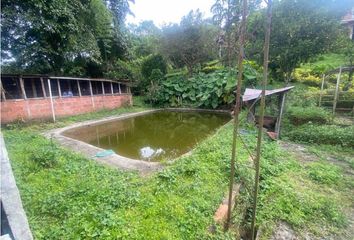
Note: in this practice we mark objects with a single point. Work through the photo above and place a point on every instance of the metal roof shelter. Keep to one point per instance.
(251, 94)
(250, 98)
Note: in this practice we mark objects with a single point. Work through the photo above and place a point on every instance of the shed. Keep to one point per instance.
(28, 97)
(272, 123)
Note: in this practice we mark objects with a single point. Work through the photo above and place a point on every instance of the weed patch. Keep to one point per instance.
(324, 173)
(323, 134)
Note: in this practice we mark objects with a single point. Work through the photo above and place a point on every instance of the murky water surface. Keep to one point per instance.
(154, 136)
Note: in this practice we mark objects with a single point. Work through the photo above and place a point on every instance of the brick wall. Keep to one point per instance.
(40, 108)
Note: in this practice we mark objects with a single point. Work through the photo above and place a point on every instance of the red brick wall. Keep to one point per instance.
(29, 109)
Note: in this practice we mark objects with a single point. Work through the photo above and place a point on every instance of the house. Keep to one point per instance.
(348, 20)
(28, 97)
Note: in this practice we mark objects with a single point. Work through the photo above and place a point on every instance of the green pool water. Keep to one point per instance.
(153, 136)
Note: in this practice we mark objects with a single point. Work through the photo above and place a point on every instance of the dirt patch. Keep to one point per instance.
(299, 151)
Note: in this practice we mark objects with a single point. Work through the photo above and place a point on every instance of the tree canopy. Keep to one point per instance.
(65, 36)
(91, 38)
(300, 30)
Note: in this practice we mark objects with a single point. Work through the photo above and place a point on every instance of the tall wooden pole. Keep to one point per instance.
(322, 85)
(336, 92)
(261, 117)
(237, 109)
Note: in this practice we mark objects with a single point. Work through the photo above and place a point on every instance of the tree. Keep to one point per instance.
(301, 30)
(61, 37)
(345, 46)
(151, 63)
(145, 39)
(189, 43)
(227, 15)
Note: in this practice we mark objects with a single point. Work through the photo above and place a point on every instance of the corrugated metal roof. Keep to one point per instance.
(24, 76)
(251, 94)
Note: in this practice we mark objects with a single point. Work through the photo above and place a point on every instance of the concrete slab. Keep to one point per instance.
(11, 200)
(113, 160)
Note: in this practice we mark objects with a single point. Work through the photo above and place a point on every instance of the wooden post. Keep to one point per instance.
(322, 85)
(120, 91)
(43, 88)
(34, 90)
(111, 88)
(59, 90)
(92, 100)
(336, 92)
(261, 116)
(78, 87)
(237, 111)
(103, 93)
(22, 85)
(2, 91)
(51, 99)
(69, 85)
(281, 110)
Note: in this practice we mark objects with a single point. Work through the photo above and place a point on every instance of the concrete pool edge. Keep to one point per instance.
(113, 160)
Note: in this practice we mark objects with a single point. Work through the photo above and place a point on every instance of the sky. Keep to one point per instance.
(166, 11)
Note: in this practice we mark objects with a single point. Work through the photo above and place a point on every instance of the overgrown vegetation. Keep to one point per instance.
(73, 197)
(211, 90)
(323, 134)
(186, 64)
(302, 115)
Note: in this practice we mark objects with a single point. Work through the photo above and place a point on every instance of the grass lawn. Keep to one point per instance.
(67, 196)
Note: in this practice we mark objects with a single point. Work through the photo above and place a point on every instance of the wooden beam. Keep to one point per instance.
(92, 100)
(51, 100)
(69, 84)
(43, 88)
(22, 85)
(321, 92)
(59, 90)
(120, 91)
(2, 91)
(102, 88)
(111, 88)
(90, 85)
(336, 92)
(78, 87)
(281, 106)
(34, 90)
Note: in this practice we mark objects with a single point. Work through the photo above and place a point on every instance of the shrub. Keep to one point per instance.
(45, 156)
(151, 63)
(210, 69)
(324, 173)
(302, 96)
(301, 115)
(324, 134)
(203, 90)
(307, 77)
